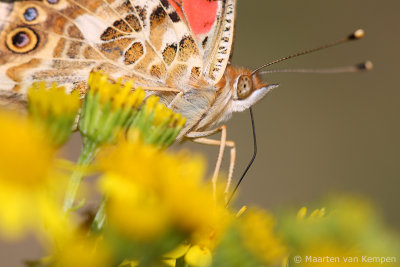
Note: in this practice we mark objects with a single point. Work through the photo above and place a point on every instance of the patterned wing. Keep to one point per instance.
(212, 24)
(41, 40)
(159, 43)
(62, 40)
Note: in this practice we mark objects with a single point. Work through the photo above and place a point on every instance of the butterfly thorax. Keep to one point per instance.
(207, 108)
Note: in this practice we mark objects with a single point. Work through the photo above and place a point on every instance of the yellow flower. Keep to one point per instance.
(346, 229)
(156, 124)
(118, 93)
(136, 210)
(178, 252)
(54, 110)
(70, 245)
(108, 108)
(161, 190)
(25, 167)
(53, 101)
(132, 161)
(198, 256)
(190, 202)
(316, 214)
(83, 251)
(257, 228)
(130, 263)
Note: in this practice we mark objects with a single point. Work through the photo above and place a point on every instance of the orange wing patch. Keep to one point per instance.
(187, 48)
(169, 53)
(134, 53)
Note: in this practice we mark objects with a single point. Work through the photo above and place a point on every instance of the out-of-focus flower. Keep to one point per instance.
(79, 250)
(168, 193)
(198, 256)
(54, 110)
(173, 183)
(25, 169)
(134, 209)
(339, 235)
(152, 194)
(316, 214)
(156, 208)
(178, 252)
(257, 228)
(251, 240)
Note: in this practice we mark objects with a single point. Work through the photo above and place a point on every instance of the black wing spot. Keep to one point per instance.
(157, 16)
(165, 3)
(204, 43)
(174, 17)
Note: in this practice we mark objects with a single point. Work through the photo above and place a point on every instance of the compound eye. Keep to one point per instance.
(244, 86)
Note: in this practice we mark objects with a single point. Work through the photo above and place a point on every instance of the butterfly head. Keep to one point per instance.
(247, 89)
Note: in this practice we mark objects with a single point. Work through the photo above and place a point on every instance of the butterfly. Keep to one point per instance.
(179, 50)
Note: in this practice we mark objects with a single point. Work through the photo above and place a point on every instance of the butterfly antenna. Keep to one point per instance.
(364, 66)
(358, 34)
(251, 161)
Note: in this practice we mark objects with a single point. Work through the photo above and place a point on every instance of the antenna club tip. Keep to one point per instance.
(358, 34)
(368, 65)
(365, 66)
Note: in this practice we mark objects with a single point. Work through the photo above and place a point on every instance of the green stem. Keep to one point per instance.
(100, 217)
(88, 152)
(181, 262)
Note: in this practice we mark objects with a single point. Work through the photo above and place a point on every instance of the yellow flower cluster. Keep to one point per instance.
(162, 190)
(54, 110)
(157, 209)
(152, 194)
(156, 124)
(78, 250)
(258, 230)
(118, 94)
(162, 114)
(108, 108)
(345, 233)
(112, 109)
(53, 100)
(316, 214)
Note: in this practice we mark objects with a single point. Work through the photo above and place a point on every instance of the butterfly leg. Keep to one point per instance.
(161, 89)
(196, 136)
(232, 146)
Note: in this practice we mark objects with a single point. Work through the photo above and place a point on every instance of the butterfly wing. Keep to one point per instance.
(157, 42)
(212, 25)
(62, 40)
(40, 41)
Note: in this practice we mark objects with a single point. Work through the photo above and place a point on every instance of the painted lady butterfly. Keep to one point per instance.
(179, 50)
